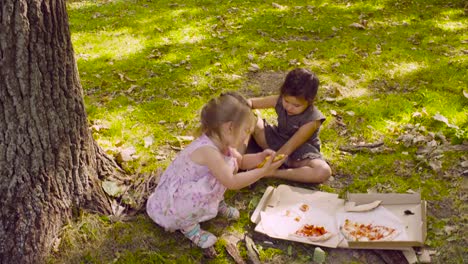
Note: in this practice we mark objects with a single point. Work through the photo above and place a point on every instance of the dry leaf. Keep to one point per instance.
(418, 139)
(117, 209)
(99, 127)
(126, 154)
(148, 141)
(443, 119)
(132, 87)
(436, 165)
(180, 124)
(357, 26)
(184, 139)
(464, 164)
(112, 188)
(280, 7)
(449, 229)
(254, 67)
(252, 250)
(432, 143)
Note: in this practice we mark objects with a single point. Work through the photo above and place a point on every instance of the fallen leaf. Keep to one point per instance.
(280, 7)
(443, 119)
(126, 154)
(112, 188)
(424, 256)
(99, 127)
(148, 141)
(329, 99)
(449, 229)
(180, 124)
(464, 164)
(185, 139)
(254, 67)
(117, 209)
(231, 248)
(432, 143)
(252, 251)
(357, 26)
(132, 87)
(436, 165)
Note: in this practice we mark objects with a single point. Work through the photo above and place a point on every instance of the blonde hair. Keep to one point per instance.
(228, 107)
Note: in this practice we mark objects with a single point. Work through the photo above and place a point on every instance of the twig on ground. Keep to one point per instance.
(360, 147)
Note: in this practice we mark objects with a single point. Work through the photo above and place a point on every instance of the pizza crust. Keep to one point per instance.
(352, 231)
(323, 237)
(314, 238)
(352, 207)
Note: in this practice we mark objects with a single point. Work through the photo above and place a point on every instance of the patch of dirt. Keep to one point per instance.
(262, 83)
(339, 180)
(441, 209)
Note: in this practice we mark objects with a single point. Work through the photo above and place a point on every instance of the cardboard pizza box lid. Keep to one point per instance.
(282, 196)
(410, 210)
(275, 200)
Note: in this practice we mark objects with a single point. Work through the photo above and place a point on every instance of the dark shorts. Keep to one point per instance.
(275, 141)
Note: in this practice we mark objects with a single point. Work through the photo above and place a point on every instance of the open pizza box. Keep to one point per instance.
(279, 215)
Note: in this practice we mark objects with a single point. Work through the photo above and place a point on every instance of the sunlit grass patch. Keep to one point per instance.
(114, 44)
(147, 68)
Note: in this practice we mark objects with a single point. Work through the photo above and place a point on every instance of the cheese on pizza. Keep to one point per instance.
(313, 233)
(355, 231)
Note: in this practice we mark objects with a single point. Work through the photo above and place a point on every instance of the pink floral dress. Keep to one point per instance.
(187, 192)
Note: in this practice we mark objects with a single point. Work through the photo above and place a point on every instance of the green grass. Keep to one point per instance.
(148, 66)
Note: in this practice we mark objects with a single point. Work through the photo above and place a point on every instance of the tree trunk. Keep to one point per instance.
(49, 162)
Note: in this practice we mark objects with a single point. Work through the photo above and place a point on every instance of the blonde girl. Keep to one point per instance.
(191, 190)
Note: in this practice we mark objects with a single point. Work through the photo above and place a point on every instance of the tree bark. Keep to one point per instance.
(49, 162)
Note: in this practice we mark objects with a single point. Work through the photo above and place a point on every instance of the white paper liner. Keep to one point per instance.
(283, 225)
(378, 216)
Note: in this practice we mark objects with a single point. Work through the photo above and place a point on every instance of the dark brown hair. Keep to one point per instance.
(301, 83)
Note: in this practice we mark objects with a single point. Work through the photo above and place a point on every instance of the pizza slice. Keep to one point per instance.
(355, 231)
(277, 157)
(313, 233)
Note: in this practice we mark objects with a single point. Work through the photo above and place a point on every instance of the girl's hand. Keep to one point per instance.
(262, 156)
(272, 163)
(266, 153)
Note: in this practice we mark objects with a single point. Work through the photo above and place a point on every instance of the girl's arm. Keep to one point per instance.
(263, 102)
(213, 159)
(299, 138)
(250, 161)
